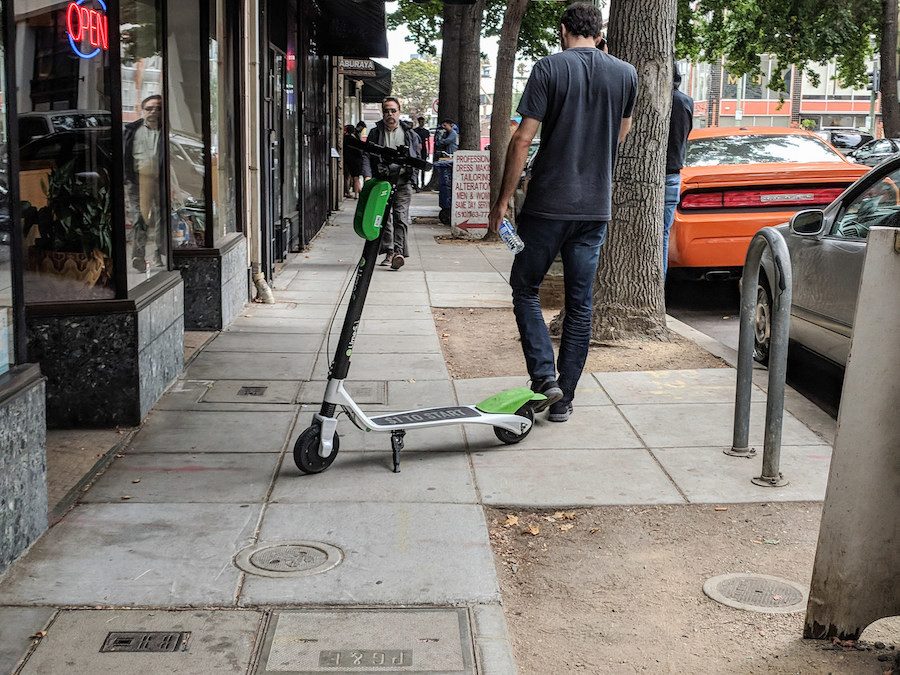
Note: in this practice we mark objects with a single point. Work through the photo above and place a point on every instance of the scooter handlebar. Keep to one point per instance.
(399, 156)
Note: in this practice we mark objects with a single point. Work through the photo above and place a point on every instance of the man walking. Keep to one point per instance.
(424, 135)
(577, 95)
(680, 124)
(392, 133)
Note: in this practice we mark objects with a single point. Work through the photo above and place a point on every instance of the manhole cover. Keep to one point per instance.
(757, 593)
(289, 558)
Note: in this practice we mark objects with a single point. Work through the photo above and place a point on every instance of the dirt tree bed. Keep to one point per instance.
(485, 343)
(619, 590)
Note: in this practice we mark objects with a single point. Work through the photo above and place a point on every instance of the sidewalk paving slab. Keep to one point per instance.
(565, 477)
(587, 393)
(706, 385)
(219, 642)
(353, 439)
(268, 324)
(193, 431)
(17, 625)
(175, 478)
(688, 425)
(411, 366)
(401, 394)
(264, 392)
(397, 554)
(709, 476)
(385, 345)
(263, 341)
(250, 365)
(135, 554)
(368, 477)
(590, 427)
(392, 327)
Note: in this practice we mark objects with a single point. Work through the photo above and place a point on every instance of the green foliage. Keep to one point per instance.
(78, 216)
(796, 32)
(416, 83)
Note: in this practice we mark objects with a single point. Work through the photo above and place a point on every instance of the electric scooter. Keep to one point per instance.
(509, 412)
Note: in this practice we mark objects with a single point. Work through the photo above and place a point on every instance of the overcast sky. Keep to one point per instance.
(400, 50)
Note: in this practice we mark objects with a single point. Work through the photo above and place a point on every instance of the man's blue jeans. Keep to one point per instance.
(579, 243)
(673, 196)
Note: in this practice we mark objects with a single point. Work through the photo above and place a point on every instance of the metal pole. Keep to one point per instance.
(780, 329)
(874, 97)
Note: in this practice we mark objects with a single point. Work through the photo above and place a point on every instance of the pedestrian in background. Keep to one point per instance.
(424, 135)
(580, 93)
(681, 122)
(448, 142)
(352, 164)
(390, 132)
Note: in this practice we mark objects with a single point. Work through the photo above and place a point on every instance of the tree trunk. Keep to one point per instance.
(502, 101)
(890, 106)
(469, 119)
(628, 292)
(448, 87)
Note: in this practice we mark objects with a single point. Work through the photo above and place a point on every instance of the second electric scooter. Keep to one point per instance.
(509, 412)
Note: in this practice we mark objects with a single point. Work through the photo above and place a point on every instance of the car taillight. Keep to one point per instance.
(782, 197)
(703, 200)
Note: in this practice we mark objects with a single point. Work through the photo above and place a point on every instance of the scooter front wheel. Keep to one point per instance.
(306, 451)
(511, 438)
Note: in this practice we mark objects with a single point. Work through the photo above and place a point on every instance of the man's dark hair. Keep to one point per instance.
(152, 97)
(420, 119)
(446, 120)
(583, 19)
(391, 98)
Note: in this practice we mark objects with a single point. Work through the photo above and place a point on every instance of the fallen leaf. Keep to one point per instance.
(37, 636)
(511, 520)
(595, 530)
(533, 530)
(126, 497)
(566, 527)
(721, 508)
(776, 598)
(568, 515)
(136, 481)
(771, 542)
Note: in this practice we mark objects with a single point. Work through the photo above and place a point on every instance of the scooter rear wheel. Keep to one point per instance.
(511, 438)
(306, 451)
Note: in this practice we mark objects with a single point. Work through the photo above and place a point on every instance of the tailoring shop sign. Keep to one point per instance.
(471, 192)
(87, 27)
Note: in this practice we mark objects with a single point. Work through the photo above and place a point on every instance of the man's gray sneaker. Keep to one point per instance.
(561, 411)
(548, 388)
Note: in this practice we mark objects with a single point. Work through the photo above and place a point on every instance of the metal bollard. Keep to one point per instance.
(778, 348)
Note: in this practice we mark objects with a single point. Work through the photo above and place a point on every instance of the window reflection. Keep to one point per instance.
(143, 140)
(65, 160)
(6, 292)
(222, 115)
(750, 149)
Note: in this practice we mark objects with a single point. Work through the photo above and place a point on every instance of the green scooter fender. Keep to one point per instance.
(370, 210)
(509, 401)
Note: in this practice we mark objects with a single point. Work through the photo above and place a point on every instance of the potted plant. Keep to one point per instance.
(75, 228)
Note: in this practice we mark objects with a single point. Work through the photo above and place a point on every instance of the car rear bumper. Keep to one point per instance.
(717, 240)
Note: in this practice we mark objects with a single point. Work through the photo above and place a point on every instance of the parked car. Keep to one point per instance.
(845, 138)
(736, 181)
(875, 152)
(827, 248)
(34, 125)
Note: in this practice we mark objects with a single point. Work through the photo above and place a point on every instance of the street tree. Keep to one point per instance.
(416, 83)
(628, 293)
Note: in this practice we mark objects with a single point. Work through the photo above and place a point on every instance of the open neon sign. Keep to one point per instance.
(87, 29)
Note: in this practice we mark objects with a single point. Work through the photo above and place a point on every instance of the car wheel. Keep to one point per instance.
(762, 322)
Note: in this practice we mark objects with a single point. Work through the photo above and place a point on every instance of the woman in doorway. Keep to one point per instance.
(352, 164)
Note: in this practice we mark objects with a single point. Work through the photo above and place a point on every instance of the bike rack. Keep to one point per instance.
(780, 321)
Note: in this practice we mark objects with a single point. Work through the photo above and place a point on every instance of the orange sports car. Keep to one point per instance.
(736, 181)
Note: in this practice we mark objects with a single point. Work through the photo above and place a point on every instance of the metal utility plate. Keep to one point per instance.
(757, 593)
(309, 642)
(252, 391)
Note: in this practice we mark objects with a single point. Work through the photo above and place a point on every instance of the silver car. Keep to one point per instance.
(827, 249)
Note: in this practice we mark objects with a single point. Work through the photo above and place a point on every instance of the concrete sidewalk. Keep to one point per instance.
(380, 569)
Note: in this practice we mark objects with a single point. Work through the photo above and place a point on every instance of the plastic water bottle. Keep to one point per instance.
(512, 240)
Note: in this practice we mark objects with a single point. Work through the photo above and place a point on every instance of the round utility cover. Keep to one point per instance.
(757, 593)
(289, 558)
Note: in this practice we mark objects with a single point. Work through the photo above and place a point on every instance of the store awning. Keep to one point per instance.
(376, 88)
(354, 28)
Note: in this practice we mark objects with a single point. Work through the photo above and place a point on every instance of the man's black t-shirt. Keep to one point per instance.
(580, 96)
(680, 125)
(424, 135)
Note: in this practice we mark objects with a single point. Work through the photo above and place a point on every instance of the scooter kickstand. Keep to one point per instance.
(397, 446)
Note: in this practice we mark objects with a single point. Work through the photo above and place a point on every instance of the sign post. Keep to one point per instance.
(471, 193)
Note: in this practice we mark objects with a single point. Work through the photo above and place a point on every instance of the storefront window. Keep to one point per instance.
(66, 167)
(186, 154)
(6, 287)
(143, 140)
(223, 125)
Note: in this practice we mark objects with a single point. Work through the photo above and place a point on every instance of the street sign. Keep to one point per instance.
(434, 106)
(358, 68)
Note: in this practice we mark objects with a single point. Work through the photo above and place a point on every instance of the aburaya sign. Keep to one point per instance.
(87, 27)
(358, 67)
